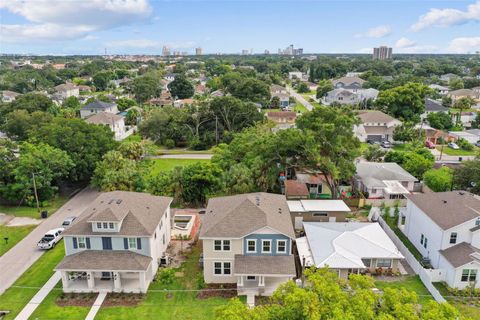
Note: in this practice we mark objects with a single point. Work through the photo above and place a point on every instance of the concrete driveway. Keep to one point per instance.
(19, 258)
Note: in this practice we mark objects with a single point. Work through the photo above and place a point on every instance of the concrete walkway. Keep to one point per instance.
(96, 306)
(300, 99)
(193, 156)
(19, 258)
(39, 297)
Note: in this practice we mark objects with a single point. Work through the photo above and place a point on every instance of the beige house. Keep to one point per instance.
(248, 240)
(464, 93)
(282, 119)
(115, 122)
(67, 90)
(375, 126)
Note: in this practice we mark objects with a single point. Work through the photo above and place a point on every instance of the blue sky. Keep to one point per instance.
(228, 26)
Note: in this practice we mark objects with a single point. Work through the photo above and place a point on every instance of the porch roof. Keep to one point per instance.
(105, 260)
(264, 265)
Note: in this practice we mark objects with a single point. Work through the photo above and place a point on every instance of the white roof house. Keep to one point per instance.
(345, 245)
(317, 205)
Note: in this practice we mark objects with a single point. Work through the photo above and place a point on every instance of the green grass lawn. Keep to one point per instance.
(466, 310)
(25, 211)
(412, 283)
(14, 299)
(14, 235)
(300, 108)
(459, 152)
(155, 166)
(177, 305)
(392, 223)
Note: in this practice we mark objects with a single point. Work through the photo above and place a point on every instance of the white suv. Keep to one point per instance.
(50, 239)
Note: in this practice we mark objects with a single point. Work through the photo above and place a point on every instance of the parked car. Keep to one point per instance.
(386, 144)
(68, 221)
(477, 144)
(430, 144)
(453, 145)
(50, 239)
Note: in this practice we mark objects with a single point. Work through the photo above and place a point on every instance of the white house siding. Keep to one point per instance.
(463, 234)
(158, 245)
(211, 256)
(454, 275)
(418, 223)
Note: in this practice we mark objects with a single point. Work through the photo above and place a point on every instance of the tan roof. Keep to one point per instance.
(460, 254)
(65, 87)
(374, 116)
(239, 215)
(448, 209)
(462, 92)
(8, 93)
(349, 80)
(268, 265)
(105, 260)
(104, 118)
(140, 213)
(312, 178)
(295, 188)
(282, 114)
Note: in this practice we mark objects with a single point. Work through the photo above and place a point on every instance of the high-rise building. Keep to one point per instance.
(382, 53)
(245, 52)
(165, 51)
(266, 51)
(291, 51)
(198, 51)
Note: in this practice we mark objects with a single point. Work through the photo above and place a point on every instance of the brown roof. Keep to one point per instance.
(374, 116)
(257, 265)
(462, 92)
(281, 114)
(104, 118)
(105, 260)
(140, 213)
(65, 87)
(295, 188)
(8, 93)
(460, 254)
(239, 215)
(312, 178)
(349, 80)
(448, 209)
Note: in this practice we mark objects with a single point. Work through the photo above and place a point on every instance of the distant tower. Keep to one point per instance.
(165, 51)
(198, 51)
(382, 53)
(266, 51)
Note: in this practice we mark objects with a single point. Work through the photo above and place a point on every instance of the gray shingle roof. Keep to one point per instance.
(103, 118)
(239, 215)
(448, 209)
(98, 105)
(374, 116)
(105, 260)
(373, 173)
(258, 265)
(432, 105)
(140, 213)
(460, 254)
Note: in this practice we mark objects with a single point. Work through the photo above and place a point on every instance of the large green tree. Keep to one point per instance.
(146, 87)
(440, 120)
(467, 176)
(406, 102)
(181, 87)
(324, 86)
(439, 180)
(19, 123)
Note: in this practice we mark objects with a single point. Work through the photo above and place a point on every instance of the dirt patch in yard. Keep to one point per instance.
(76, 299)
(123, 299)
(218, 290)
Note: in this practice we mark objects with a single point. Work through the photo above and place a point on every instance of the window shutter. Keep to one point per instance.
(75, 245)
(125, 243)
(139, 243)
(87, 240)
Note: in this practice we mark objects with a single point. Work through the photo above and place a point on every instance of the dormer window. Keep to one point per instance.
(105, 225)
(111, 225)
(99, 225)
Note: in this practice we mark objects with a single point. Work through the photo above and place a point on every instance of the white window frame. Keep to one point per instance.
(270, 245)
(105, 225)
(215, 268)
(252, 278)
(129, 244)
(391, 263)
(111, 225)
(222, 268)
(453, 236)
(255, 249)
(81, 242)
(285, 245)
(99, 225)
(214, 246)
(222, 245)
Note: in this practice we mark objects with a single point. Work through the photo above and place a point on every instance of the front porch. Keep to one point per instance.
(259, 285)
(104, 281)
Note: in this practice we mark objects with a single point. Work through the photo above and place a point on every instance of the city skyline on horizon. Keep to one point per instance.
(89, 27)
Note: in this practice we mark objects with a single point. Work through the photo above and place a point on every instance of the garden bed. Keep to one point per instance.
(76, 299)
(211, 291)
(115, 299)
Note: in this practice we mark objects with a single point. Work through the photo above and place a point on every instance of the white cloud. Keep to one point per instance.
(416, 49)
(134, 43)
(69, 19)
(405, 43)
(376, 32)
(447, 17)
(464, 45)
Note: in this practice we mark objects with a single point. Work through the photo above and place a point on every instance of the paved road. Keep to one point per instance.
(19, 258)
(194, 156)
(300, 99)
(448, 158)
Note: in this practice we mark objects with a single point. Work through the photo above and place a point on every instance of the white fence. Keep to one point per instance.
(426, 275)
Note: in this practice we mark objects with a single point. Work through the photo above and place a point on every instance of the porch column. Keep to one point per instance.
(261, 281)
(240, 281)
(117, 285)
(141, 278)
(64, 279)
(90, 280)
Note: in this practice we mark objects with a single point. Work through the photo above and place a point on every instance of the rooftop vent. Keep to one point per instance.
(119, 201)
(280, 210)
(444, 201)
(148, 208)
(461, 193)
(111, 201)
(257, 200)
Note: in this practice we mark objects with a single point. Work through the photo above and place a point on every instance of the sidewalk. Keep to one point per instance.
(96, 306)
(39, 297)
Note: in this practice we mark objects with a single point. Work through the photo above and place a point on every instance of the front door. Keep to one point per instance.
(106, 275)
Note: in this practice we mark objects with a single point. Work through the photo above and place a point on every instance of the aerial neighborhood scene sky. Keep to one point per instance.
(145, 26)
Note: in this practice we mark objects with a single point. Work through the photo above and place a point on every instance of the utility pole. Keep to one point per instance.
(35, 191)
(303, 271)
(216, 130)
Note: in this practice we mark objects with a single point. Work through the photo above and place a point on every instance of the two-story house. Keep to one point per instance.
(445, 227)
(375, 126)
(115, 122)
(67, 90)
(247, 240)
(96, 107)
(116, 244)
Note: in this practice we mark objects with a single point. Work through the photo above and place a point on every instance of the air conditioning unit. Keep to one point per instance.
(164, 261)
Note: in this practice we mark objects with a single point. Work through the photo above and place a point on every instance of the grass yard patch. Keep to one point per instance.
(175, 304)
(25, 211)
(411, 283)
(14, 235)
(300, 108)
(17, 296)
(458, 152)
(155, 166)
